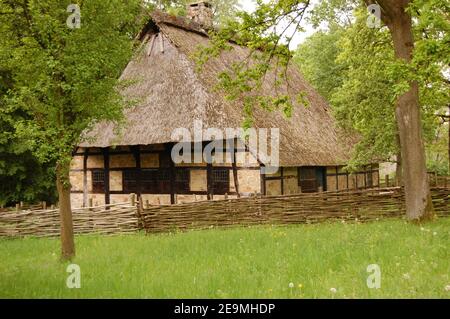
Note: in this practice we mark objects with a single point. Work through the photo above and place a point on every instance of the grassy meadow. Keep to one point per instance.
(306, 261)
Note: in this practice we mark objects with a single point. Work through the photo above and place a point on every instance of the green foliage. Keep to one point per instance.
(365, 100)
(268, 53)
(437, 152)
(373, 79)
(22, 177)
(64, 80)
(351, 65)
(257, 262)
(316, 58)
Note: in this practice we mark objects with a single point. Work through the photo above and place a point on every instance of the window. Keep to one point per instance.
(307, 180)
(98, 181)
(129, 181)
(220, 181)
(182, 181)
(369, 182)
(155, 181)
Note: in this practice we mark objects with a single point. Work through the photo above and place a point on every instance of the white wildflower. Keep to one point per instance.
(333, 290)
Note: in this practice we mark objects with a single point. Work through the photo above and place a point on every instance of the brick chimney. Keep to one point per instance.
(202, 13)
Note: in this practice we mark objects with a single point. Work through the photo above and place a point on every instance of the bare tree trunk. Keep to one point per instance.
(65, 213)
(419, 205)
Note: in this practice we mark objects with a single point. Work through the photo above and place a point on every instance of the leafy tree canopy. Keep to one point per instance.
(351, 64)
(64, 78)
(354, 67)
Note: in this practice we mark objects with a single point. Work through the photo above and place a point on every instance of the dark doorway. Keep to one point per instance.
(311, 179)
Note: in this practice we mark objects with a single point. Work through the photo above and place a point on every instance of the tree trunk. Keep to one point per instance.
(419, 205)
(65, 213)
(399, 167)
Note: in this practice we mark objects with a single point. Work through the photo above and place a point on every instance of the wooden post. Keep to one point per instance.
(263, 181)
(282, 180)
(137, 158)
(106, 180)
(172, 177)
(139, 210)
(17, 207)
(147, 204)
(386, 179)
(348, 184)
(234, 166)
(90, 209)
(85, 179)
(150, 46)
(133, 199)
(209, 182)
(44, 205)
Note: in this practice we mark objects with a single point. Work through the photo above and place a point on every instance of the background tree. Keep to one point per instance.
(352, 65)
(65, 79)
(22, 177)
(316, 57)
(271, 28)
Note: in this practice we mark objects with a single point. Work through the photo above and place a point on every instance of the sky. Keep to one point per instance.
(250, 5)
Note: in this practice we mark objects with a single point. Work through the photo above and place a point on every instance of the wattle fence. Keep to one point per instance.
(110, 219)
(362, 205)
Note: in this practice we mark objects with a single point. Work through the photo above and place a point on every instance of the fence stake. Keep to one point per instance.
(386, 178)
(44, 205)
(17, 207)
(133, 199)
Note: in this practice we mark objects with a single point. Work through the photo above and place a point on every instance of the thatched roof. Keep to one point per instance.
(172, 94)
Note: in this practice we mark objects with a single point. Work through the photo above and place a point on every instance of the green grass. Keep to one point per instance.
(239, 263)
